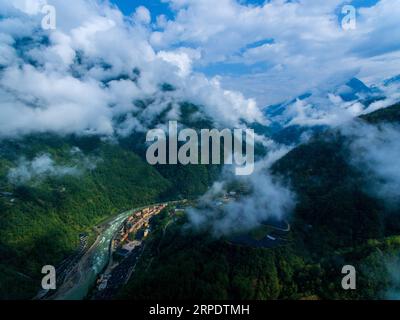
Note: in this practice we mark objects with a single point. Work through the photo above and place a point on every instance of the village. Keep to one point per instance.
(134, 230)
(125, 248)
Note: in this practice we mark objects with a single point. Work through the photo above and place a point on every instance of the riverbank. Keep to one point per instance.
(82, 276)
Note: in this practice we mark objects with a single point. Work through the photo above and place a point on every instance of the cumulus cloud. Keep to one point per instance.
(86, 71)
(142, 15)
(289, 46)
(181, 58)
(90, 72)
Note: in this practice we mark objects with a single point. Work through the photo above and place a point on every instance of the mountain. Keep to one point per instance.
(328, 185)
(53, 188)
(335, 223)
(314, 111)
(385, 115)
(393, 80)
(354, 89)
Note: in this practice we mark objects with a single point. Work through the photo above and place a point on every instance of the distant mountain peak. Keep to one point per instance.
(392, 80)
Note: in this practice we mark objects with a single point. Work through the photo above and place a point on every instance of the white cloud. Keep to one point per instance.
(181, 58)
(142, 15)
(39, 168)
(376, 152)
(309, 45)
(60, 81)
(268, 199)
(91, 70)
(29, 6)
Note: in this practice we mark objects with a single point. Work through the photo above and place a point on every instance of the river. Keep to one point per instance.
(93, 263)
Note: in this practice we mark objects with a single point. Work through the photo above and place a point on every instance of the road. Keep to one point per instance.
(272, 240)
(80, 278)
(119, 276)
(83, 275)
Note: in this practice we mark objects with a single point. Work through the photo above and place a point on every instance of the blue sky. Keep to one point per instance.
(229, 58)
(274, 48)
(157, 7)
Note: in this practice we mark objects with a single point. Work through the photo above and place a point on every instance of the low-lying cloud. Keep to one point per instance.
(44, 166)
(393, 266)
(267, 199)
(376, 152)
(40, 167)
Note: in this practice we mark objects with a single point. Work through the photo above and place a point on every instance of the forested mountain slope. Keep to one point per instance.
(336, 222)
(53, 188)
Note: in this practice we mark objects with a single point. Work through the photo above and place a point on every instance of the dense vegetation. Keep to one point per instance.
(335, 223)
(181, 264)
(334, 210)
(41, 218)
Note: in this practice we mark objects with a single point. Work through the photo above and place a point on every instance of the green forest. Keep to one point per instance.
(40, 220)
(184, 265)
(335, 223)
